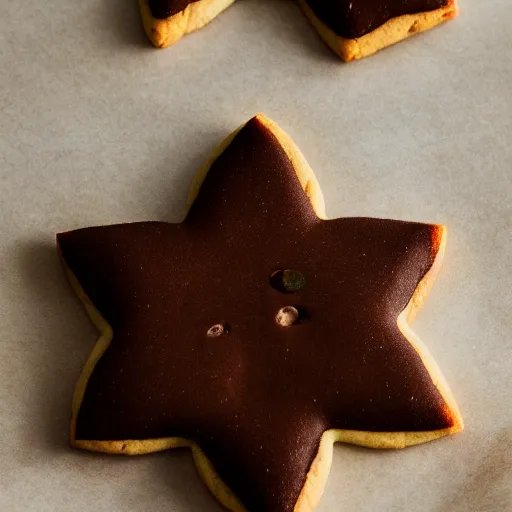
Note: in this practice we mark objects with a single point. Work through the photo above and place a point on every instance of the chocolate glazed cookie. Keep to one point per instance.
(256, 332)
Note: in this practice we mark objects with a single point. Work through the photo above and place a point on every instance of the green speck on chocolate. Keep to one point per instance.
(293, 281)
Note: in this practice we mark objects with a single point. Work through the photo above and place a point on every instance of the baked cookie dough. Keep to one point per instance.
(257, 332)
(352, 28)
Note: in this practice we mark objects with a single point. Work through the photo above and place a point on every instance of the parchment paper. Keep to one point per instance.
(98, 127)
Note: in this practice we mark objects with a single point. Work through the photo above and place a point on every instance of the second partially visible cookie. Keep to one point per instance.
(358, 28)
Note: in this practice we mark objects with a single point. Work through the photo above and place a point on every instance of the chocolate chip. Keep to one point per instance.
(287, 316)
(217, 330)
(287, 281)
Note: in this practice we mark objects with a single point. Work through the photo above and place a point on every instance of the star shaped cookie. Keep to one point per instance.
(352, 28)
(256, 332)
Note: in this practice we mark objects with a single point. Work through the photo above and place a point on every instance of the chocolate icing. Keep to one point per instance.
(258, 398)
(162, 9)
(355, 18)
(347, 18)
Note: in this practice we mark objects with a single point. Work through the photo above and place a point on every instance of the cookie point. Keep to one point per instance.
(260, 119)
(438, 237)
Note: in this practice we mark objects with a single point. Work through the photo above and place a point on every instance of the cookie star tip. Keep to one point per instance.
(257, 165)
(260, 118)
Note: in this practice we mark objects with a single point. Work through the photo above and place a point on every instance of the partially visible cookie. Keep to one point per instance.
(167, 21)
(358, 28)
(256, 332)
(352, 28)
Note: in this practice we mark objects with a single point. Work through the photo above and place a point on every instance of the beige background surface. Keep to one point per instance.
(97, 127)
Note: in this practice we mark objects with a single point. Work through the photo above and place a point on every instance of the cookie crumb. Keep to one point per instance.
(216, 330)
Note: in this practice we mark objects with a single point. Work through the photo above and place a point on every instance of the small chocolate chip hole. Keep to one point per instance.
(217, 330)
(287, 281)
